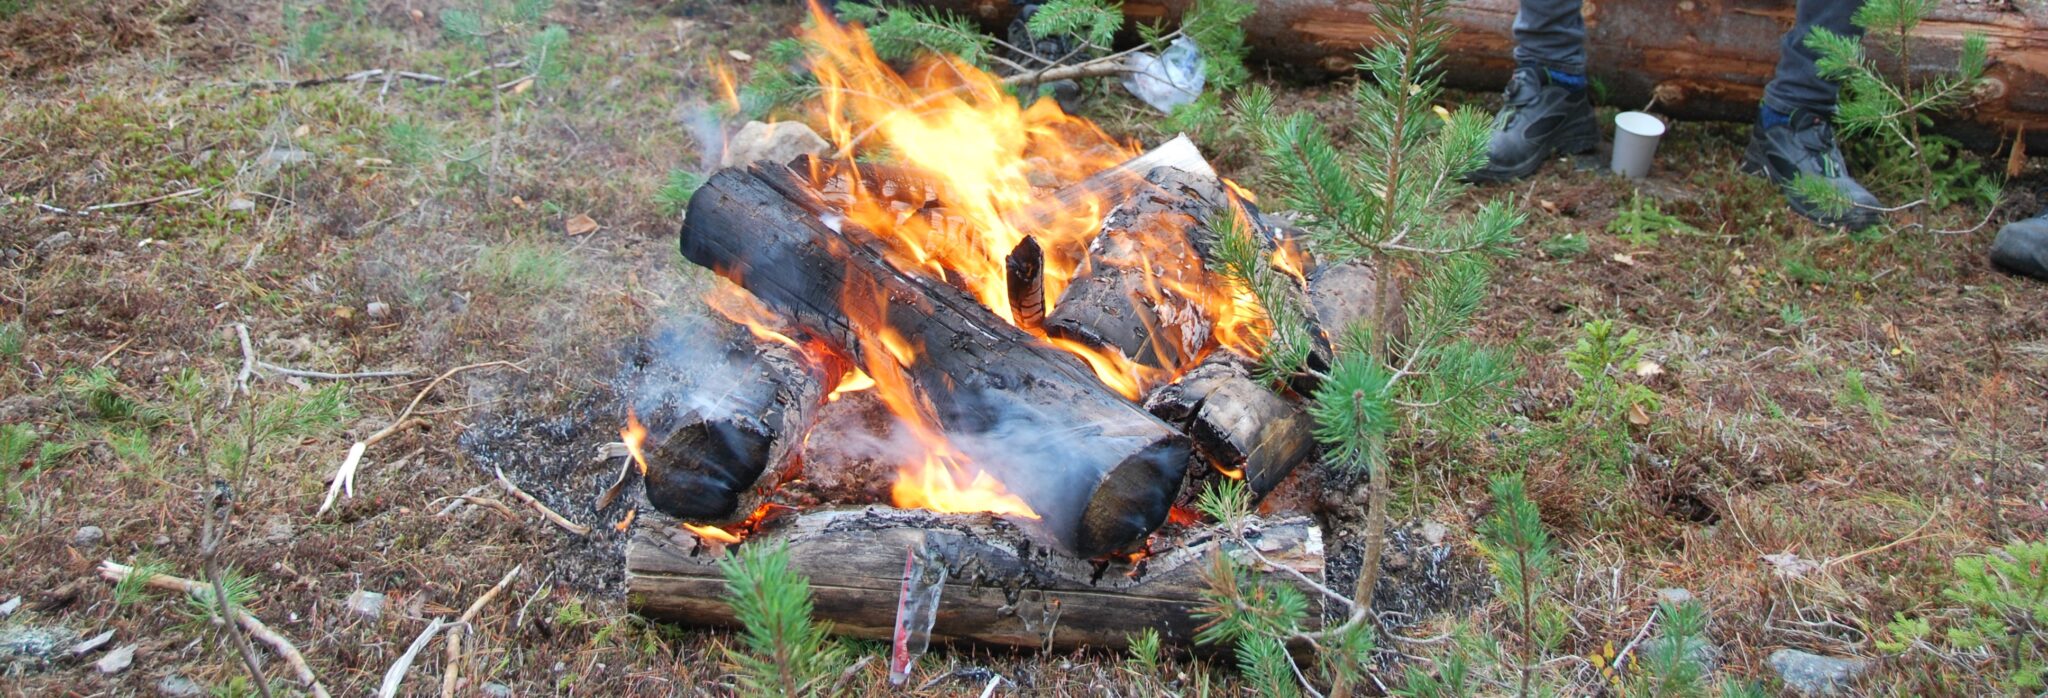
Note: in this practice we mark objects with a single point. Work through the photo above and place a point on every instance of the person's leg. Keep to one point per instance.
(1795, 134)
(1551, 34)
(1546, 110)
(1797, 84)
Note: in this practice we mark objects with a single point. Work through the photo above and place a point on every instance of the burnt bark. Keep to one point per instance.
(1098, 470)
(725, 411)
(1239, 425)
(1130, 294)
(1000, 589)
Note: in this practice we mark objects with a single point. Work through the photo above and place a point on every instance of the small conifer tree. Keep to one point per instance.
(782, 652)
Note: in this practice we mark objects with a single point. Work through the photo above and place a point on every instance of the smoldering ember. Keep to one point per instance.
(1275, 348)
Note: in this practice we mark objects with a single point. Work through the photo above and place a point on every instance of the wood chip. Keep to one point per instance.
(581, 225)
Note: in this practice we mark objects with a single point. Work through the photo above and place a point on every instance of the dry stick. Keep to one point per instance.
(556, 519)
(345, 477)
(323, 375)
(453, 677)
(115, 572)
(248, 359)
(396, 674)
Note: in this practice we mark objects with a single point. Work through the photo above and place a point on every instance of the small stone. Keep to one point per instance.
(779, 142)
(278, 529)
(91, 644)
(378, 310)
(1434, 532)
(12, 605)
(88, 536)
(366, 603)
(1810, 674)
(175, 686)
(56, 241)
(117, 661)
(240, 204)
(1674, 596)
(162, 540)
(496, 690)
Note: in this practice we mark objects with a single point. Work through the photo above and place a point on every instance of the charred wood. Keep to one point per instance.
(1130, 293)
(1001, 589)
(1026, 271)
(1098, 470)
(725, 411)
(1242, 427)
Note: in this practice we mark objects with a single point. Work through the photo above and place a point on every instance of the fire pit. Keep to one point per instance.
(1033, 311)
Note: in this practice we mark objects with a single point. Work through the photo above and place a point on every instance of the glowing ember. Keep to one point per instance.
(635, 436)
(1232, 473)
(626, 522)
(1182, 516)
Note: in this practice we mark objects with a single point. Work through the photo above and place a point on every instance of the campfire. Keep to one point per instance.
(1033, 304)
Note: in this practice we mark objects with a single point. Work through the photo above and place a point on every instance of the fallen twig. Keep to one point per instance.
(453, 677)
(486, 502)
(323, 375)
(549, 514)
(345, 476)
(209, 551)
(248, 359)
(114, 572)
(459, 500)
(95, 208)
(396, 674)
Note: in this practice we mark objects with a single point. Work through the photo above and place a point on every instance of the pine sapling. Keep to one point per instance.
(1518, 549)
(782, 653)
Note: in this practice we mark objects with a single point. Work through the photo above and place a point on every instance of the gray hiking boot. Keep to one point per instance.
(2022, 247)
(1805, 144)
(1540, 119)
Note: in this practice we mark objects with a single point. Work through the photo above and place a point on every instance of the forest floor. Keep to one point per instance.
(1860, 409)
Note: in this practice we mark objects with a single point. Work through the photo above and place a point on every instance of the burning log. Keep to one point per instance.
(1000, 589)
(1100, 472)
(1026, 269)
(1141, 290)
(1241, 426)
(721, 409)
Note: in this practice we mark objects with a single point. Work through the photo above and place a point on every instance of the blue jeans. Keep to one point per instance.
(1551, 34)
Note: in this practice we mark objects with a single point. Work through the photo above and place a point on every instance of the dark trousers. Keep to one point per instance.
(1551, 34)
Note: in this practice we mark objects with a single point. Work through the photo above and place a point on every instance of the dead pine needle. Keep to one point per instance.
(453, 677)
(345, 476)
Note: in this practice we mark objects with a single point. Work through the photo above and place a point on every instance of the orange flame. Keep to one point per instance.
(743, 309)
(635, 436)
(853, 382)
(712, 533)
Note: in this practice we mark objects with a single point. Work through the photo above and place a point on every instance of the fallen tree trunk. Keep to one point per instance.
(1000, 589)
(725, 411)
(1099, 471)
(1701, 59)
(1244, 429)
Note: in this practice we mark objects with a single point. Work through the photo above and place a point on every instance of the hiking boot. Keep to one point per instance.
(2022, 247)
(1805, 143)
(1541, 118)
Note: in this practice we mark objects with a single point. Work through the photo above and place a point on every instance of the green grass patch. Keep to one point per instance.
(523, 268)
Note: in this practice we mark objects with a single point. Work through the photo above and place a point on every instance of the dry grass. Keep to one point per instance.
(447, 204)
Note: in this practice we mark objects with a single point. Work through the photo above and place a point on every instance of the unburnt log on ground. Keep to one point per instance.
(1001, 589)
(1100, 471)
(1698, 59)
(725, 412)
(1237, 422)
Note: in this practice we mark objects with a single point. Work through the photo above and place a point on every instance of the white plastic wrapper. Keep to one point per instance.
(1169, 79)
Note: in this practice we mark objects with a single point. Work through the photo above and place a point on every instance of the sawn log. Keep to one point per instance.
(1701, 59)
(1000, 589)
(1099, 471)
(1239, 425)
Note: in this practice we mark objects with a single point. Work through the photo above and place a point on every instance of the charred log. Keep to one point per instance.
(1000, 589)
(1699, 60)
(1129, 295)
(725, 411)
(1243, 428)
(1026, 271)
(1100, 471)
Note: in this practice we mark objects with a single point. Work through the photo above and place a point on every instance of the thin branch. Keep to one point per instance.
(115, 572)
(345, 476)
(453, 677)
(395, 676)
(545, 512)
(209, 553)
(323, 375)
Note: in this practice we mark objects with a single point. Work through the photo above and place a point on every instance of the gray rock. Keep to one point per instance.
(496, 690)
(12, 605)
(278, 530)
(117, 661)
(56, 241)
(1674, 596)
(25, 648)
(88, 536)
(366, 603)
(276, 158)
(175, 686)
(779, 142)
(378, 310)
(1813, 675)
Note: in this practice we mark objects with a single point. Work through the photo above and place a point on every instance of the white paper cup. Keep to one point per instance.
(1635, 143)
